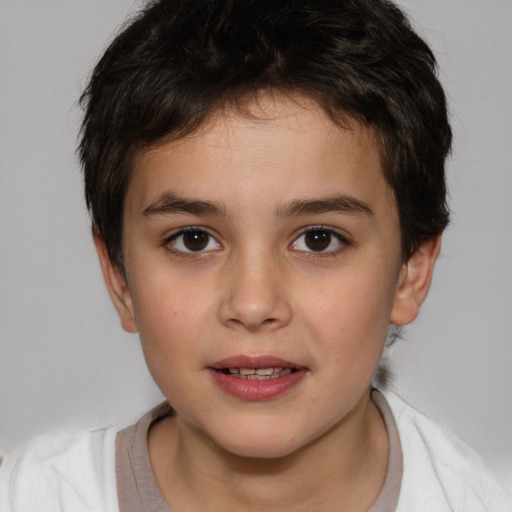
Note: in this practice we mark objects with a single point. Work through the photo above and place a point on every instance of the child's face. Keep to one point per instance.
(291, 254)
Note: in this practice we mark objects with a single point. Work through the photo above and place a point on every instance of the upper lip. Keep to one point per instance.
(262, 361)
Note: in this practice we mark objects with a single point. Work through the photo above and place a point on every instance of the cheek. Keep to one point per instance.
(352, 309)
(170, 326)
(168, 315)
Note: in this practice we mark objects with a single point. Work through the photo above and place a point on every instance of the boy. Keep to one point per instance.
(266, 182)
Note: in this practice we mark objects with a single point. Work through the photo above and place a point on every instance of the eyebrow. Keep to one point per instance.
(338, 204)
(169, 203)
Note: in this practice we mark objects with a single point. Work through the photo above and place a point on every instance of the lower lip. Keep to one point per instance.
(253, 389)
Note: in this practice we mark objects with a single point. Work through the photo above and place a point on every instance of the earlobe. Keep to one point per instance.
(414, 282)
(116, 286)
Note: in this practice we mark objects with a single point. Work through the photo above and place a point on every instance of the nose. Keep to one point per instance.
(255, 294)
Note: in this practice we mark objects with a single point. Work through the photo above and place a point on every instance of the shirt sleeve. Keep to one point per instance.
(65, 473)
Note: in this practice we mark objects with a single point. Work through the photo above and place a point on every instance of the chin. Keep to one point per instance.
(259, 443)
(260, 450)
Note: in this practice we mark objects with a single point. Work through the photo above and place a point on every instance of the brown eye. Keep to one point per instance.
(193, 240)
(317, 240)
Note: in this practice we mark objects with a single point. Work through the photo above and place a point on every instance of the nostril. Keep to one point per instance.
(253, 324)
(267, 323)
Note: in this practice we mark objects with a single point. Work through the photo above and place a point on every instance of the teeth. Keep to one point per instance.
(264, 371)
(259, 373)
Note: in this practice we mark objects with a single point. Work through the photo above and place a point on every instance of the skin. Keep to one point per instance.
(259, 289)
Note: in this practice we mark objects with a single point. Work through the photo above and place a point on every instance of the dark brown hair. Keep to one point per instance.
(178, 61)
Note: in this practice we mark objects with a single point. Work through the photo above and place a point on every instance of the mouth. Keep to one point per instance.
(258, 373)
(256, 378)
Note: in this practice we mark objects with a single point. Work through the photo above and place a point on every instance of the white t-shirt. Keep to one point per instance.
(76, 473)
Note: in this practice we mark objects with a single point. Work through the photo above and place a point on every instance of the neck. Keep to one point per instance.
(344, 469)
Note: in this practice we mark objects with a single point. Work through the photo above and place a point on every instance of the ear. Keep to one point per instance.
(414, 282)
(117, 286)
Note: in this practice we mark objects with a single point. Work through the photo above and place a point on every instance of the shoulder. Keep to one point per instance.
(440, 471)
(61, 471)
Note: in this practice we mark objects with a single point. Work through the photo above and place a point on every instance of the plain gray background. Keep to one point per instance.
(63, 356)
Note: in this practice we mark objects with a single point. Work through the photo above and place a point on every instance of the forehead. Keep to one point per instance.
(276, 147)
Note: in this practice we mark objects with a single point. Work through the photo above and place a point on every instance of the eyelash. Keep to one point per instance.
(332, 234)
(182, 232)
(310, 253)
